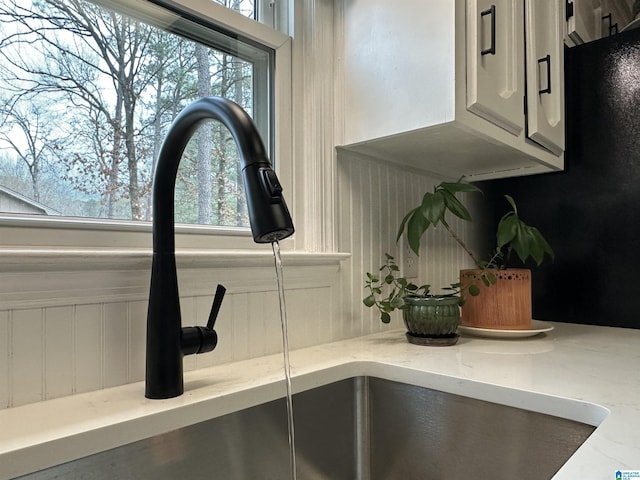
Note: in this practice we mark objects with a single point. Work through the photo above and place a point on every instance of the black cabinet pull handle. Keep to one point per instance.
(492, 47)
(546, 59)
(613, 27)
(568, 9)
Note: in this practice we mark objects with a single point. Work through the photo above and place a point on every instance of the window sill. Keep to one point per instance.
(86, 233)
(47, 277)
(19, 259)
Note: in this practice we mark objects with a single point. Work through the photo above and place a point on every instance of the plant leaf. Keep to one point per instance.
(402, 225)
(474, 290)
(507, 229)
(520, 242)
(416, 226)
(397, 302)
(385, 317)
(534, 249)
(513, 203)
(455, 206)
(542, 243)
(369, 301)
(433, 207)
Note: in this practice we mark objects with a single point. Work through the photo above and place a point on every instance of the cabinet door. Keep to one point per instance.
(616, 14)
(495, 59)
(544, 24)
(583, 21)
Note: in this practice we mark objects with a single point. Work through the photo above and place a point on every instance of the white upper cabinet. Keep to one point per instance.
(442, 85)
(588, 20)
(495, 70)
(545, 73)
(398, 63)
(616, 14)
(584, 21)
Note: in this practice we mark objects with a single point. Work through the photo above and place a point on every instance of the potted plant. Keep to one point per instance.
(501, 297)
(388, 291)
(430, 319)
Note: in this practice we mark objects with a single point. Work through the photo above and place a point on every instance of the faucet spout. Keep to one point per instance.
(167, 340)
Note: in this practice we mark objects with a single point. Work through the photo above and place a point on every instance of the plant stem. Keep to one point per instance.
(460, 242)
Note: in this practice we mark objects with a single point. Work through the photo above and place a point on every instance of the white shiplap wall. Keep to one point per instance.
(57, 350)
(373, 198)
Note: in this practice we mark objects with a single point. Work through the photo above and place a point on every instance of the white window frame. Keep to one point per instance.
(24, 239)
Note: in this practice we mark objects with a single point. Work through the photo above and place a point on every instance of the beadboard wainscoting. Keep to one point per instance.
(81, 330)
(374, 196)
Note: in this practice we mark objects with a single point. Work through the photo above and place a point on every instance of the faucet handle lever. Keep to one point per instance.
(209, 338)
(215, 308)
(203, 339)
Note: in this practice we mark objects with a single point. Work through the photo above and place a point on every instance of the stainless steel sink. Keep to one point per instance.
(362, 428)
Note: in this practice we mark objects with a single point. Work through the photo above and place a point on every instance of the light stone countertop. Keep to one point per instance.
(586, 373)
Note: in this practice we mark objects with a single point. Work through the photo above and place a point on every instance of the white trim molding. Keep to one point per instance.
(37, 278)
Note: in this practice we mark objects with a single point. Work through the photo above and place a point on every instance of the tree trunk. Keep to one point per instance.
(204, 140)
(221, 142)
(241, 201)
(112, 178)
(238, 97)
(157, 134)
(35, 174)
(132, 158)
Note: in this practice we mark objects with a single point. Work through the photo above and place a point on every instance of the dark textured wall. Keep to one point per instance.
(590, 213)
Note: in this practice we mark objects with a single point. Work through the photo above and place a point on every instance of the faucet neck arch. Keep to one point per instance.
(268, 214)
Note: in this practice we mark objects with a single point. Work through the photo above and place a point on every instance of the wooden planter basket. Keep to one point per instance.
(503, 306)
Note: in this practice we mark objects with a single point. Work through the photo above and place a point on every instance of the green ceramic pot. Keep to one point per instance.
(435, 317)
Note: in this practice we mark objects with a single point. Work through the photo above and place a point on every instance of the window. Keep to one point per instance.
(88, 91)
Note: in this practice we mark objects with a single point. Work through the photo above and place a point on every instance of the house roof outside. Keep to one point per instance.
(15, 202)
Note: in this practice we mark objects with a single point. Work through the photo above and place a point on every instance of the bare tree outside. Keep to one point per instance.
(32, 141)
(86, 96)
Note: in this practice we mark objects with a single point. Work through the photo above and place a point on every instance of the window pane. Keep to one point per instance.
(245, 7)
(274, 13)
(86, 97)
